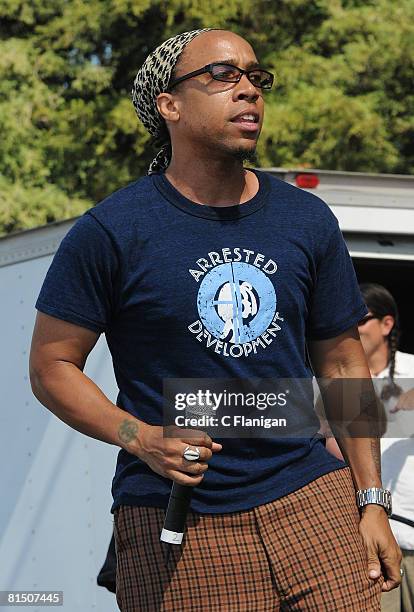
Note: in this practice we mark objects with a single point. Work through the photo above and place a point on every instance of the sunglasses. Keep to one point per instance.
(230, 74)
(366, 319)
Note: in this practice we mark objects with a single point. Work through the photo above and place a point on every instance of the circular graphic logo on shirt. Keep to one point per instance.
(236, 302)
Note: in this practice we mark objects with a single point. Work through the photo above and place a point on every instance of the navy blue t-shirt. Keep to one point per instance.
(152, 270)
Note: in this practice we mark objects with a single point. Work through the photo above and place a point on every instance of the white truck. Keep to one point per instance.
(376, 216)
(55, 523)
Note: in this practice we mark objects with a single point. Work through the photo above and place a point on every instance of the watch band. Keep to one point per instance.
(375, 495)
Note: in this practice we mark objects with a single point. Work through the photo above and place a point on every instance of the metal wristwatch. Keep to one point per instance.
(375, 495)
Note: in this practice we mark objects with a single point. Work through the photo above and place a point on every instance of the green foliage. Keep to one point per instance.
(343, 99)
(21, 207)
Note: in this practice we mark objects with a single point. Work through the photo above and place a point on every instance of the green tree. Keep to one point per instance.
(343, 97)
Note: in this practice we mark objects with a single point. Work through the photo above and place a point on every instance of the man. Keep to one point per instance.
(152, 266)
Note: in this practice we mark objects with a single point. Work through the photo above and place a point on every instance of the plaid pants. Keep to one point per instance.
(300, 552)
(402, 599)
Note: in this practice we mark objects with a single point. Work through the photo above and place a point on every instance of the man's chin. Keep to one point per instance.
(245, 155)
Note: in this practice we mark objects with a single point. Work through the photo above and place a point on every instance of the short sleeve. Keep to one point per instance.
(80, 284)
(336, 303)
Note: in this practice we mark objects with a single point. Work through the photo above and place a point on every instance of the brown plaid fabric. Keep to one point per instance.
(402, 599)
(300, 552)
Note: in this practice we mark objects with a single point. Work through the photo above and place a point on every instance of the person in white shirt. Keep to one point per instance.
(393, 374)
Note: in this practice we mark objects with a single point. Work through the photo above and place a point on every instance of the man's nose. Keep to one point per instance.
(246, 89)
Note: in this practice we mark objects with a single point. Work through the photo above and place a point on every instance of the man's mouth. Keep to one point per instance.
(246, 117)
(247, 121)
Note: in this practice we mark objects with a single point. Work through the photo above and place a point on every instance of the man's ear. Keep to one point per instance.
(168, 107)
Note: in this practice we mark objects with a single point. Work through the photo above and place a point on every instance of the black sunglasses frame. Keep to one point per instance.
(366, 319)
(209, 68)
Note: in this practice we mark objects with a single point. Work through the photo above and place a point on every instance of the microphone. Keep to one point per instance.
(175, 518)
(180, 496)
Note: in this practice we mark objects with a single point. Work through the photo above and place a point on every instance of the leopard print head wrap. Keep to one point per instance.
(152, 79)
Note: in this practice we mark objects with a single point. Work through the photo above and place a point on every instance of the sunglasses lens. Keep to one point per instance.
(260, 78)
(231, 74)
(223, 72)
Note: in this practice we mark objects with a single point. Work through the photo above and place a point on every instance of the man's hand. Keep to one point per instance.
(384, 554)
(405, 401)
(162, 450)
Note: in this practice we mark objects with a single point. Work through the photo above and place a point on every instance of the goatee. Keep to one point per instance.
(246, 155)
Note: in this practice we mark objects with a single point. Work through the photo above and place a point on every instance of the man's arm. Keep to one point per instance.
(57, 358)
(343, 359)
(58, 355)
(339, 358)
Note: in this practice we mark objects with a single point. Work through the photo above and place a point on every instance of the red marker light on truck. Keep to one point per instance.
(307, 181)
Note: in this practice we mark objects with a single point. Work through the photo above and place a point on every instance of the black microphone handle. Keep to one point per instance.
(178, 505)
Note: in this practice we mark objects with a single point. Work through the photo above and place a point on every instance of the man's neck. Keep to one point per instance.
(213, 182)
(378, 361)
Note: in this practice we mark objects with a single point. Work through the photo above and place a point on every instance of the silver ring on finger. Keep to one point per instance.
(401, 572)
(191, 454)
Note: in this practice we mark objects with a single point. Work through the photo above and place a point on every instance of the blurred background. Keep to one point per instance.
(343, 98)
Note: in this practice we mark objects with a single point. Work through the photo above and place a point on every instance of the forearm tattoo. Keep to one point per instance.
(376, 454)
(370, 409)
(127, 431)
